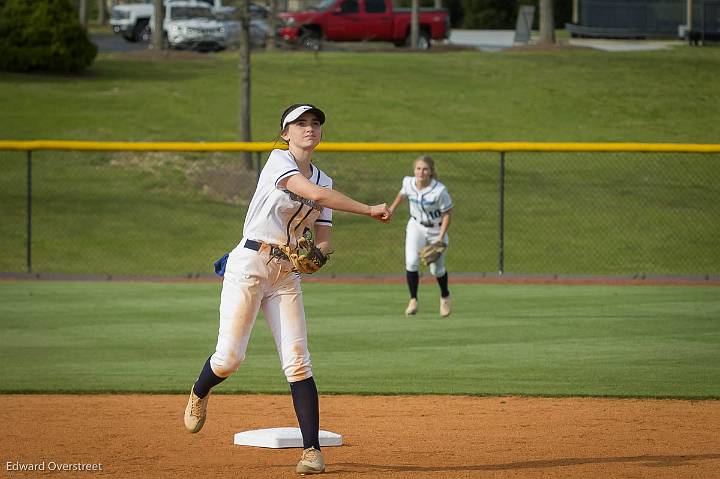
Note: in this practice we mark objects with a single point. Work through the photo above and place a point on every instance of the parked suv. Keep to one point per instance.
(192, 25)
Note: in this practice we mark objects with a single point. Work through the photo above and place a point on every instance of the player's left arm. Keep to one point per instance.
(395, 203)
(446, 206)
(323, 238)
(445, 224)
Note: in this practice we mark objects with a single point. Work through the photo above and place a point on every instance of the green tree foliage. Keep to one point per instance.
(489, 14)
(43, 35)
(454, 7)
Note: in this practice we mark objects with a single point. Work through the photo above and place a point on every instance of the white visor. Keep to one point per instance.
(295, 114)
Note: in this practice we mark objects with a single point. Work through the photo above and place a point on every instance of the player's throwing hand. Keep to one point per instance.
(381, 213)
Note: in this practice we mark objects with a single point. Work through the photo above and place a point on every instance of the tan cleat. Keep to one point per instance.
(445, 307)
(311, 462)
(195, 412)
(412, 307)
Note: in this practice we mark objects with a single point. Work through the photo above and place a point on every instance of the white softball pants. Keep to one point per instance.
(417, 236)
(251, 283)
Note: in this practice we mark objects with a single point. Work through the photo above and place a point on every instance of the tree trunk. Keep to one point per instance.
(82, 12)
(244, 80)
(576, 12)
(101, 12)
(547, 23)
(272, 25)
(158, 35)
(438, 3)
(414, 24)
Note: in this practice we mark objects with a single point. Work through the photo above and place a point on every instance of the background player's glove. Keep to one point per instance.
(308, 258)
(431, 252)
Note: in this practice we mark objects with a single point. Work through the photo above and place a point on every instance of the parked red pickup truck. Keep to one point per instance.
(361, 20)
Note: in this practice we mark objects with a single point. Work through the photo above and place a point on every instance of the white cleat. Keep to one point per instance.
(195, 412)
(311, 462)
(412, 307)
(445, 307)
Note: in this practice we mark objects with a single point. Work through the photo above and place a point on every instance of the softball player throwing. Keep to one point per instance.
(292, 196)
(430, 212)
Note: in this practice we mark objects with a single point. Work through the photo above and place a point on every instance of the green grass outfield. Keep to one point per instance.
(135, 214)
(563, 95)
(554, 340)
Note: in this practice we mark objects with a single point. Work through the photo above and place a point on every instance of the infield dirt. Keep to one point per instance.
(384, 437)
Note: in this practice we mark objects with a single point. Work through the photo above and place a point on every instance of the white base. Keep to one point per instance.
(281, 437)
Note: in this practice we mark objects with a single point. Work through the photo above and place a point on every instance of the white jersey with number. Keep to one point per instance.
(278, 216)
(428, 204)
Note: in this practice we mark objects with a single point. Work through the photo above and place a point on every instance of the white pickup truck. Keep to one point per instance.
(132, 21)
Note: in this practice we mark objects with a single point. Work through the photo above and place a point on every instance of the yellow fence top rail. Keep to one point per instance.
(34, 145)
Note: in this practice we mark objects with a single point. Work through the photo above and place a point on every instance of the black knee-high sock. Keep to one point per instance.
(442, 282)
(413, 278)
(307, 410)
(206, 380)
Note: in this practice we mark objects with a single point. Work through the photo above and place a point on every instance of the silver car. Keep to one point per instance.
(259, 28)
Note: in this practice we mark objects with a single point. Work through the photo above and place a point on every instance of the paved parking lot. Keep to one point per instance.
(111, 43)
(484, 40)
(494, 40)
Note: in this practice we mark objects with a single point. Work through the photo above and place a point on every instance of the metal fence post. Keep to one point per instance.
(501, 215)
(29, 212)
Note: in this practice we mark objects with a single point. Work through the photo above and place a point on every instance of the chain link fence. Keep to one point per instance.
(138, 213)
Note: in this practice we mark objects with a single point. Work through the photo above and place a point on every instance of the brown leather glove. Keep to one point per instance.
(431, 252)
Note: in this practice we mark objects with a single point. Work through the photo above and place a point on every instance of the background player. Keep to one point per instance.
(292, 195)
(430, 211)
